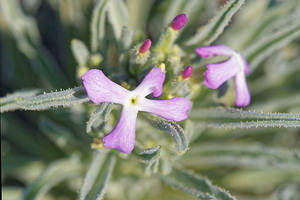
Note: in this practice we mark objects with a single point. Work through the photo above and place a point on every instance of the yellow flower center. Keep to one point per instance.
(133, 101)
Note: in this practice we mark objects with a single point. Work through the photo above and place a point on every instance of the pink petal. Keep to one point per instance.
(122, 137)
(246, 66)
(172, 109)
(152, 83)
(215, 50)
(217, 74)
(100, 89)
(241, 90)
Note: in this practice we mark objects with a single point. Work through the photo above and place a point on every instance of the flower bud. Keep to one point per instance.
(179, 21)
(187, 72)
(145, 46)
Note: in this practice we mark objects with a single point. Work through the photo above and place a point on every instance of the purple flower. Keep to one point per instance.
(100, 89)
(187, 72)
(145, 46)
(179, 21)
(218, 73)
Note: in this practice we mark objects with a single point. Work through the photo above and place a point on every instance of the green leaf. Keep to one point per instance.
(80, 52)
(266, 46)
(98, 24)
(235, 118)
(64, 98)
(211, 31)
(195, 185)
(55, 173)
(118, 16)
(174, 130)
(138, 13)
(150, 154)
(8, 103)
(242, 155)
(98, 176)
(287, 192)
(99, 117)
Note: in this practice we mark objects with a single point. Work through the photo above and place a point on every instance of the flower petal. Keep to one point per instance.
(122, 137)
(152, 83)
(100, 89)
(242, 94)
(215, 50)
(217, 74)
(172, 109)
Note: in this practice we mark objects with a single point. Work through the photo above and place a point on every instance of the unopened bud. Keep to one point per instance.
(145, 46)
(179, 21)
(187, 72)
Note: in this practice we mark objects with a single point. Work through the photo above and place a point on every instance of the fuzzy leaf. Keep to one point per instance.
(99, 117)
(266, 46)
(174, 130)
(67, 97)
(80, 52)
(8, 103)
(235, 118)
(97, 178)
(211, 31)
(287, 192)
(118, 16)
(55, 173)
(195, 185)
(98, 24)
(242, 155)
(150, 154)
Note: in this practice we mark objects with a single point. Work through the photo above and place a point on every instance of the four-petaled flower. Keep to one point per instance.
(218, 73)
(100, 89)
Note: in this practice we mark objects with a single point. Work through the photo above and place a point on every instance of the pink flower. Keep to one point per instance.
(218, 73)
(100, 89)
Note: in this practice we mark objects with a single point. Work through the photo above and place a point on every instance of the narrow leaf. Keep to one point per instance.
(235, 118)
(266, 46)
(8, 103)
(99, 117)
(80, 51)
(68, 97)
(174, 130)
(210, 32)
(150, 154)
(195, 185)
(55, 173)
(242, 155)
(96, 180)
(118, 16)
(98, 24)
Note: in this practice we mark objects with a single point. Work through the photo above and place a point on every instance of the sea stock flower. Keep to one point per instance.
(235, 66)
(100, 89)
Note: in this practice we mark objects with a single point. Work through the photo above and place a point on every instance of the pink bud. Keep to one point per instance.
(187, 72)
(179, 21)
(145, 46)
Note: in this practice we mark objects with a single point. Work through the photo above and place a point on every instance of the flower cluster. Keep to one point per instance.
(100, 89)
